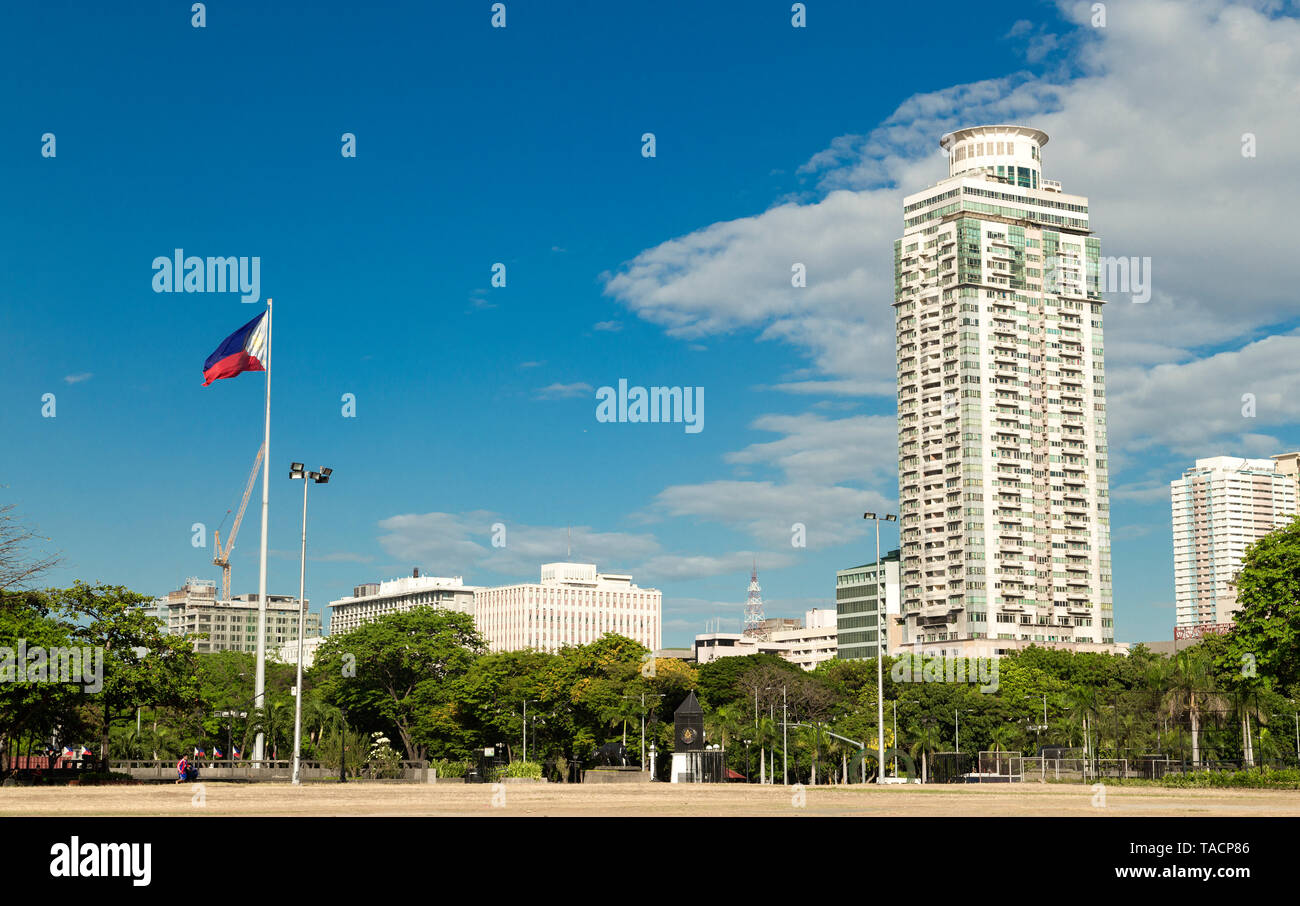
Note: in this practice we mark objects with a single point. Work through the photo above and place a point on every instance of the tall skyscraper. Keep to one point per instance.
(1003, 481)
(1220, 507)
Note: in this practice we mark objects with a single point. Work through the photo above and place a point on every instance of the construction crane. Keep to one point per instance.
(222, 558)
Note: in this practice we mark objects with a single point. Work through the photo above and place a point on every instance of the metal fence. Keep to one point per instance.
(254, 771)
(1143, 767)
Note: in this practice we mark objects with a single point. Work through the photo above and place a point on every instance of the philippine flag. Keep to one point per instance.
(244, 350)
(68, 752)
(217, 752)
(236, 752)
(199, 753)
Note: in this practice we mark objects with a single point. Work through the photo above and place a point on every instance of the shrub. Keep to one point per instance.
(528, 769)
(1287, 778)
(100, 778)
(447, 768)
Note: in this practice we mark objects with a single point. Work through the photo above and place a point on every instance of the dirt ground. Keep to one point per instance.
(657, 800)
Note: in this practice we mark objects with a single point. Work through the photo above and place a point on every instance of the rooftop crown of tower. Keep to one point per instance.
(978, 147)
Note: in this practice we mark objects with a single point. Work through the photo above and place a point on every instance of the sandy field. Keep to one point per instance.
(653, 800)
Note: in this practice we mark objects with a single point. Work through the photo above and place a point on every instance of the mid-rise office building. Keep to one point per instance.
(861, 624)
(1003, 464)
(194, 610)
(573, 604)
(372, 600)
(1220, 507)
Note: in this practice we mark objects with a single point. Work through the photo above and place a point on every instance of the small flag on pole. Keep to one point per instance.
(199, 753)
(69, 752)
(236, 753)
(216, 752)
(244, 350)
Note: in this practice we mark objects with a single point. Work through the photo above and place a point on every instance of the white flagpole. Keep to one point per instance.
(259, 689)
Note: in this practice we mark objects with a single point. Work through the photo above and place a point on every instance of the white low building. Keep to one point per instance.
(807, 644)
(288, 652)
(816, 641)
(573, 604)
(376, 599)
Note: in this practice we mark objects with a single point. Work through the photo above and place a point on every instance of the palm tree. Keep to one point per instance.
(1192, 691)
(130, 743)
(819, 738)
(1245, 705)
(926, 741)
(766, 735)
(1083, 704)
(318, 716)
(274, 721)
(1002, 734)
(727, 724)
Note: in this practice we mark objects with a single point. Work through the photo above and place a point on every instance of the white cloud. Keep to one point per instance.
(564, 391)
(77, 378)
(815, 449)
(1154, 142)
(1195, 408)
(459, 543)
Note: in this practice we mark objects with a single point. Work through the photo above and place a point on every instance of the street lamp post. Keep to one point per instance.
(296, 470)
(230, 732)
(880, 649)
(785, 740)
(895, 704)
(956, 723)
(643, 713)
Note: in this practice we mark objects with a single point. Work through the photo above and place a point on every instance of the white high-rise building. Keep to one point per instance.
(1220, 507)
(1003, 479)
(571, 605)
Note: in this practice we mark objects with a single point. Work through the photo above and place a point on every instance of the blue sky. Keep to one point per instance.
(522, 146)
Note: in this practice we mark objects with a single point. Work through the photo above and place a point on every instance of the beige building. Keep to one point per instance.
(193, 610)
(1289, 464)
(1003, 465)
(1220, 507)
(573, 604)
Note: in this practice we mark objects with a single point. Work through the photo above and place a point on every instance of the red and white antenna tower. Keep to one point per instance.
(754, 608)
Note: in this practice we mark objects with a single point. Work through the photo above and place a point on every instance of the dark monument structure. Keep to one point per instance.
(693, 761)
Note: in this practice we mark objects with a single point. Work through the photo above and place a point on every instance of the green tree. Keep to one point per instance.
(398, 667)
(31, 708)
(142, 665)
(1268, 591)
